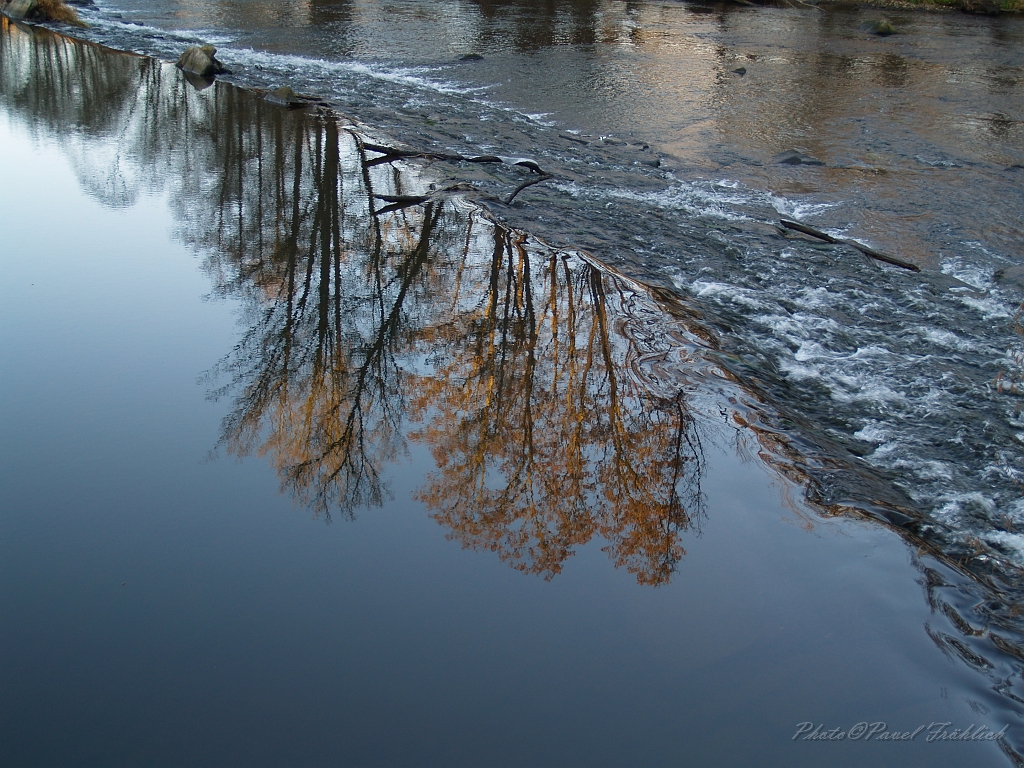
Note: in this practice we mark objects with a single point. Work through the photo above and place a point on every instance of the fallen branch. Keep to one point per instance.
(525, 184)
(797, 226)
(390, 154)
(398, 202)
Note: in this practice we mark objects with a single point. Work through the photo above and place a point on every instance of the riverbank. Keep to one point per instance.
(987, 7)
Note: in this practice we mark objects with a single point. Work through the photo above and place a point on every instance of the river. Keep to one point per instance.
(879, 393)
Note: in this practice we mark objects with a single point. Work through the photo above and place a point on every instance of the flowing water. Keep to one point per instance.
(577, 365)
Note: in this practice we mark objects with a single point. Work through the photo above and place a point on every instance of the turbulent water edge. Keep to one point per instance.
(776, 345)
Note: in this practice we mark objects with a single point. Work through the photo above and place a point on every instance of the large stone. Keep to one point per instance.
(200, 60)
(19, 9)
(882, 27)
(40, 10)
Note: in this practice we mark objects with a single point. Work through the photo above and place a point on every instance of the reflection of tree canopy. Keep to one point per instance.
(541, 436)
(526, 370)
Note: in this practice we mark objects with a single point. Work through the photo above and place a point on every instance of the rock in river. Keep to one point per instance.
(200, 60)
(40, 10)
(792, 157)
(881, 27)
(18, 9)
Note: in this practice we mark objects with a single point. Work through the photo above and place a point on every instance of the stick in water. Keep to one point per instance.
(798, 227)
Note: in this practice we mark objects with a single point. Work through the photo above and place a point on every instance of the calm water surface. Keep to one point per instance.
(564, 528)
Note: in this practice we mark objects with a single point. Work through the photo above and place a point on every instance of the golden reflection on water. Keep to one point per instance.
(541, 437)
(513, 359)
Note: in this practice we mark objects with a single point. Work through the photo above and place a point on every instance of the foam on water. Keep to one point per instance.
(796, 209)
(103, 18)
(908, 370)
(309, 70)
(722, 199)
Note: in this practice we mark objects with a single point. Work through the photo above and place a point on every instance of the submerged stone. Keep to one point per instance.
(792, 157)
(471, 57)
(285, 97)
(198, 82)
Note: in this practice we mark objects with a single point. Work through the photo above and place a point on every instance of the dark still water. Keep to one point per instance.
(572, 521)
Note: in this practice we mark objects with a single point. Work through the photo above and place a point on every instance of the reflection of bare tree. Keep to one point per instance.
(533, 389)
(69, 86)
(317, 382)
(321, 392)
(541, 437)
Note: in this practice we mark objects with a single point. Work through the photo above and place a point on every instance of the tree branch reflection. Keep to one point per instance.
(515, 360)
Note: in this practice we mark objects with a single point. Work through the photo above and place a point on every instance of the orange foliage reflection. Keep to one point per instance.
(541, 435)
